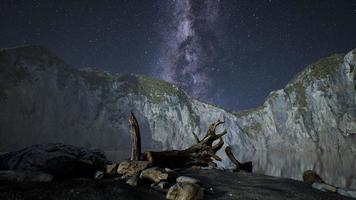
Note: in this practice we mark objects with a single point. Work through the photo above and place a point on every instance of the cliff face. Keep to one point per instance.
(315, 111)
(44, 100)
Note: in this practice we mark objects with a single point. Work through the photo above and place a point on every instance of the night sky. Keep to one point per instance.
(228, 52)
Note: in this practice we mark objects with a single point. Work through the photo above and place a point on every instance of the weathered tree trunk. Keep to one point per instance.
(135, 138)
(200, 154)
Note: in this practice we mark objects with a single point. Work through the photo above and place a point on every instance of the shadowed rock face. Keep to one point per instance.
(44, 100)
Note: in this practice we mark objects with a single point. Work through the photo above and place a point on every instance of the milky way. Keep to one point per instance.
(188, 47)
(235, 51)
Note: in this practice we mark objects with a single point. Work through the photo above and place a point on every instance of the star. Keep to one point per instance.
(253, 47)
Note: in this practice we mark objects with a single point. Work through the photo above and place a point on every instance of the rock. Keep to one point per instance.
(346, 192)
(161, 186)
(314, 112)
(154, 174)
(90, 107)
(168, 170)
(132, 181)
(196, 167)
(57, 159)
(81, 105)
(111, 169)
(352, 193)
(210, 190)
(98, 175)
(225, 186)
(342, 192)
(185, 191)
(24, 176)
(208, 167)
(324, 187)
(310, 176)
(186, 179)
(131, 168)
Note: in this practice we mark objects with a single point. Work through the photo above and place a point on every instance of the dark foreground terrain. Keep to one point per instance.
(218, 185)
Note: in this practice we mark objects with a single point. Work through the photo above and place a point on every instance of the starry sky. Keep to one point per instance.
(227, 52)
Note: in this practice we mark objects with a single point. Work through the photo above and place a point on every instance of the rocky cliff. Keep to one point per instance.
(44, 100)
(315, 111)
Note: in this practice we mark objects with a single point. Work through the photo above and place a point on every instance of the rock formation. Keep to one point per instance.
(43, 100)
(315, 111)
(57, 159)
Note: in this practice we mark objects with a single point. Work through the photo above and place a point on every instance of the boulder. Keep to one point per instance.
(185, 191)
(98, 175)
(311, 176)
(131, 168)
(187, 179)
(111, 169)
(161, 186)
(132, 181)
(324, 187)
(168, 170)
(58, 159)
(24, 176)
(346, 192)
(154, 174)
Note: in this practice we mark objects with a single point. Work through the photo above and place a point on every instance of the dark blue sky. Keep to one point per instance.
(244, 49)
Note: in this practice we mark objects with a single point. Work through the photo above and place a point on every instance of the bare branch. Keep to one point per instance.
(210, 136)
(218, 146)
(213, 126)
(231, 156)
(220, 134)
(216, 157)
(196, 137)
(211, 129)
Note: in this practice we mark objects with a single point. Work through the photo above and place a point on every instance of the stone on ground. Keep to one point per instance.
(132, 181)
(185, 191)
(154, 174)
(311, 176)
(187, 179)
(131, 168)
(161, 186)
(111, 169)
(346, 192)
(98, 175)
(324, 187)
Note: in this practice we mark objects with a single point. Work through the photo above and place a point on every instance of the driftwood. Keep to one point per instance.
(247, 166)
(200, 154)
(135, 138)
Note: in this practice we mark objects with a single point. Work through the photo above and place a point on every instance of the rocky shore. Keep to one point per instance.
(217, 184)
(314, 112)
(60, 171)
